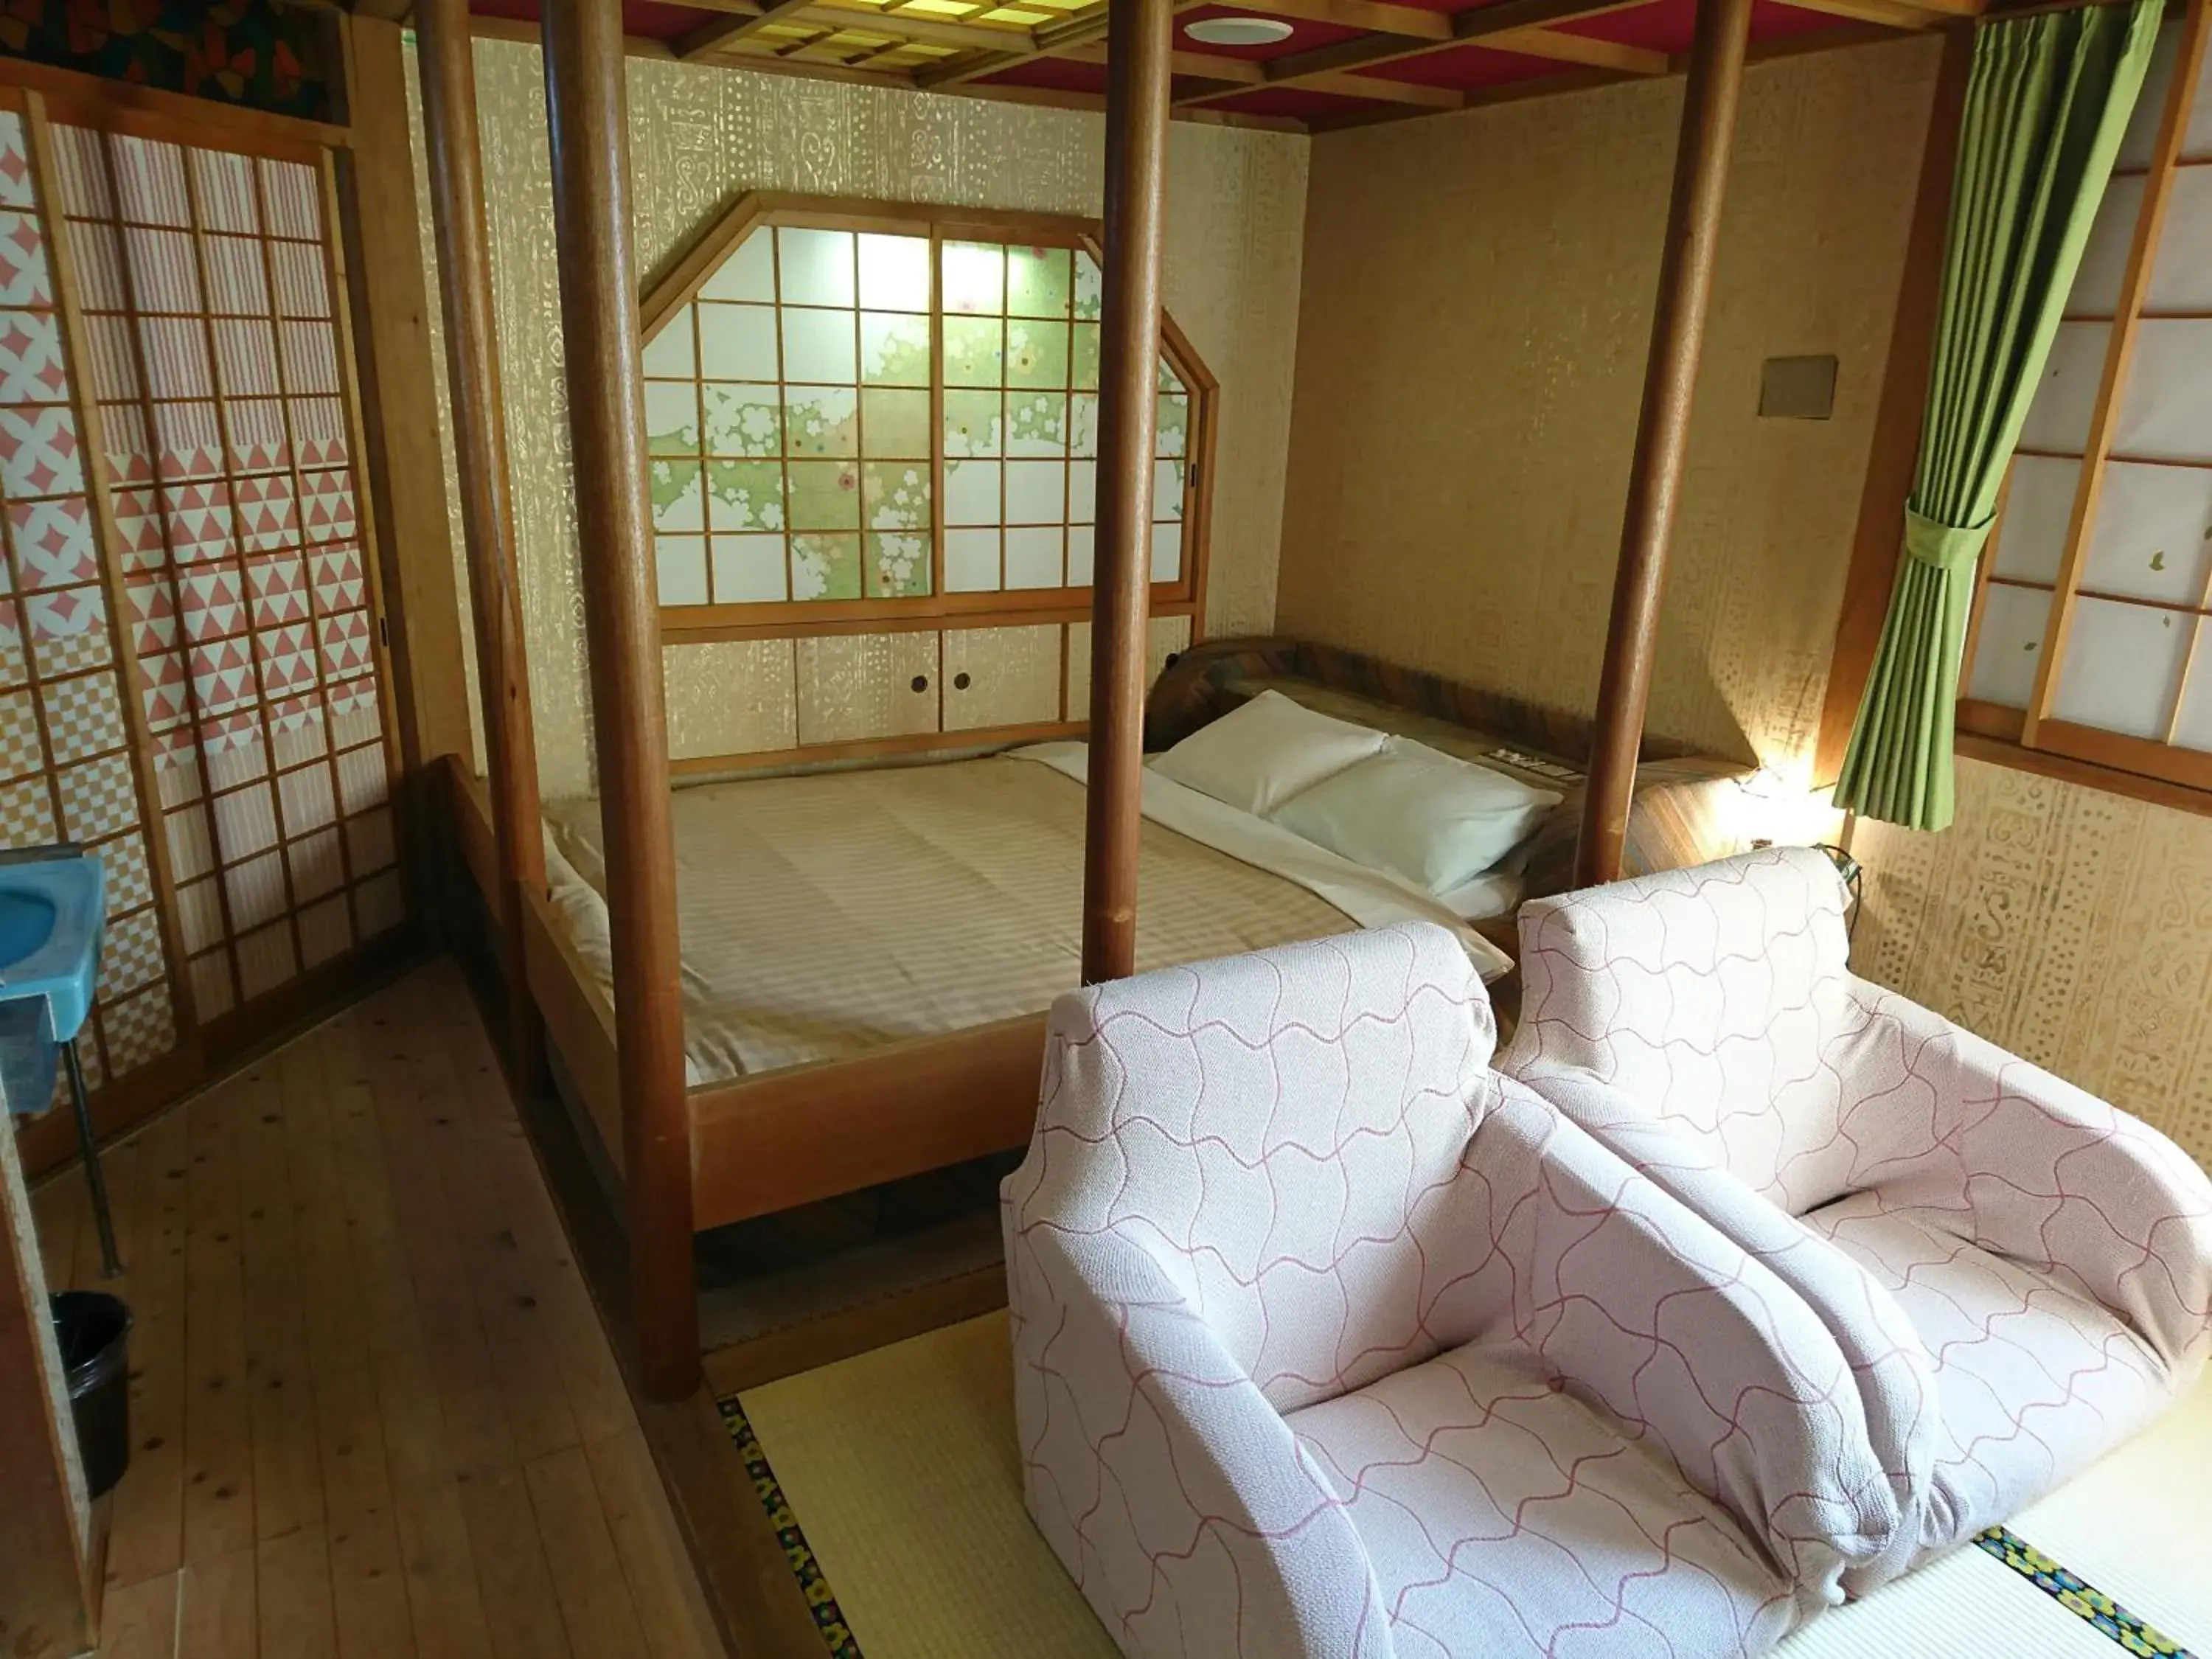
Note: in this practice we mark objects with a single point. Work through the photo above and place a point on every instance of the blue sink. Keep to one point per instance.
(52, 910)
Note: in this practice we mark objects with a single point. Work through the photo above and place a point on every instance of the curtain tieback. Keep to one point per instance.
(1945, 546)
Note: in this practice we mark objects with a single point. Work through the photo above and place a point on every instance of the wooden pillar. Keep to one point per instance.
(585, 102)
(1141, 37)
(457, 212)
(1663, 431)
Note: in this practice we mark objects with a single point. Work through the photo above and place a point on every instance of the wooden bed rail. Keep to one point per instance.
(585, 97)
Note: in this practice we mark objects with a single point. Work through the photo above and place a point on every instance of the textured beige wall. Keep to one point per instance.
(1478, 297)
(2070, 925)
(700, 137)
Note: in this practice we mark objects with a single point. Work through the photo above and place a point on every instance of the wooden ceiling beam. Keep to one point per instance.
(1895, 14)
(1198, 65)
(1506, 26)
(728, 29)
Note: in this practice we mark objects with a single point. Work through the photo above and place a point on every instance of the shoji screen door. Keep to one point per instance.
(67, 769)
(210, 292)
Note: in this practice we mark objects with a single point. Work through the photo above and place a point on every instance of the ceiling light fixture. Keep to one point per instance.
(1238, 31)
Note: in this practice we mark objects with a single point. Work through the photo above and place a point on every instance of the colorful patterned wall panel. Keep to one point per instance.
(211, 311)
(65, 765)
(257, 53)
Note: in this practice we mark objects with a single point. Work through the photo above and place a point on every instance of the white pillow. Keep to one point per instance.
(1258, 756)
(1428, 817)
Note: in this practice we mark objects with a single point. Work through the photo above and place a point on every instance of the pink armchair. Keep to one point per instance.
(1330, 1340)
(2019, 1274)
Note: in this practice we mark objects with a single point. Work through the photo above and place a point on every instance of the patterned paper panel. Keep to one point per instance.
(21, 752)
(27, 813)
(369, 842)
(131, 956)
(138, 1029)
(100, 797)
(247, 593)
(129, 881)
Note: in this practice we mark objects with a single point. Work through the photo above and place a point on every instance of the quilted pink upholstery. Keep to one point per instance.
(2021, 1274)
(1328, 1340)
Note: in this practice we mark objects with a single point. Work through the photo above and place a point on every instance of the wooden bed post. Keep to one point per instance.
(1662, 430)
(586, 105)
(1140, 37)
(457, 211)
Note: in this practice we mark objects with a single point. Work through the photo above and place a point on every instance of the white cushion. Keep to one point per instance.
(1424, 816)
(1256, 757)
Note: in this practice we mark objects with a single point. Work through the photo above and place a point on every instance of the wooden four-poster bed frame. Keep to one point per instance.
(698, 1158)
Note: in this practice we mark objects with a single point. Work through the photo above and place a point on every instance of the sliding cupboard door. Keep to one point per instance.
(69, 768)
(212, 302)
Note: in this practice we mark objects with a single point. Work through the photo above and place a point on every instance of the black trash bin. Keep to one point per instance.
(94, 1330)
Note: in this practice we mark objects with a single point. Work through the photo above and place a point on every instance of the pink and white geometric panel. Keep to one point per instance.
(222, 675)
(24, 279)
(256, 435)
(345, 644)
(213, 602)
(326, 506)
(199, 521)
(268, 514)
(68, 630)
(356, 715)
(53, 542)
(31, 369)
(279, 583)
(338, 581)
(138, 527)
(245, 356)
(168, 695)
(288, 660)
(129, 442)
(187, 440)
(153, 615)
(233, 751)
(177, 767)
(39, 453)
(17, 189)
(319, 425)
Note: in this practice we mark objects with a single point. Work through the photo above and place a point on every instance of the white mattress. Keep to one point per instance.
(823, 915)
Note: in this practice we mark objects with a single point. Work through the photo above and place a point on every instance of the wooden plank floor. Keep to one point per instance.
(373, 1411)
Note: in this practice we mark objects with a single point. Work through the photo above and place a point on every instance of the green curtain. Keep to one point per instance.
(2049, 99)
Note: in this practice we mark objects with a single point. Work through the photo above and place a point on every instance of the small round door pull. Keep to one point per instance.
(960, 681)
(921, 681)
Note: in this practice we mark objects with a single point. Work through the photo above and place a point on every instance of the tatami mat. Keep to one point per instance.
(899, 1468)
